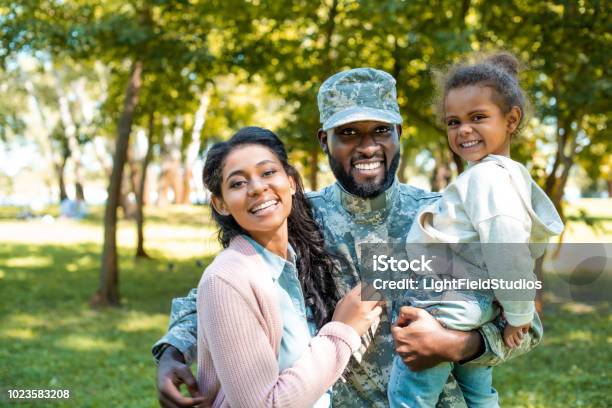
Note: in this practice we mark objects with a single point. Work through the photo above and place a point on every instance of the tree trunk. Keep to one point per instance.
(555, 185)
(194, 147)
(170, 175)
(79, 193)
(327, 68)
(313, 162)
(127, 187)
(401, 173)
(71, 134)
(441, 176)
(609, 188)
(56, 160)
(442, 173)
(100, 151)
(169, 179)
(108, 291)
(139, 190)
(186, 185)
(59, 171)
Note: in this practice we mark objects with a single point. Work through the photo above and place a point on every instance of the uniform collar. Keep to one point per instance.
(365, 209)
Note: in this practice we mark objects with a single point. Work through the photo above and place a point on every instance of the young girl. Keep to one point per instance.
(495, 203)
(254, 343)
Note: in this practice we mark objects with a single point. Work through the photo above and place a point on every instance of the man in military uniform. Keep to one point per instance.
(361, 127)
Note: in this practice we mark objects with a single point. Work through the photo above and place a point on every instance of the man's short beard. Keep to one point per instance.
(366, 190)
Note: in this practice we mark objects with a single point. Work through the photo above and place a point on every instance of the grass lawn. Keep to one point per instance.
(51, 339)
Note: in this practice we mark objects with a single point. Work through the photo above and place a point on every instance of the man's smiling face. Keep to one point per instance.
(363, 155)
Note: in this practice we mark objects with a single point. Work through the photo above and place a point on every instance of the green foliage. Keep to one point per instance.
(292, 46)
(565, 45)
(12, 104)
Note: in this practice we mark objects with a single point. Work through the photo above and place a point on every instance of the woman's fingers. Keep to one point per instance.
(356, 290)
(374, 313)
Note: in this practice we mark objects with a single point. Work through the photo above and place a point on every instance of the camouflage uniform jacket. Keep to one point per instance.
(346, 222)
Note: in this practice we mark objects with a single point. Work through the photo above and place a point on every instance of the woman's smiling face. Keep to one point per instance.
(256, 191)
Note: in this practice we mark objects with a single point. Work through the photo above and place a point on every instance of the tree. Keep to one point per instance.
(565, 45)
(153, 42)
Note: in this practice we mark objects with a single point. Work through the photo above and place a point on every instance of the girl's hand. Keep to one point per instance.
(356, 313)
(513, 335)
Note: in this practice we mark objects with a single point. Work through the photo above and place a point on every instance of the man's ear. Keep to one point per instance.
(513, 118)
(399, 131)
(219, 205)
(322, 135)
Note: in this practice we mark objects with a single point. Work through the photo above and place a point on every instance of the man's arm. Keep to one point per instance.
(174, 352)
(182, 329)
(422, 342)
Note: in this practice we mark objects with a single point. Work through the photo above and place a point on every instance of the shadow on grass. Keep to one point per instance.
(571, 368)
(177, 215)
(47, 276)
(51, 338)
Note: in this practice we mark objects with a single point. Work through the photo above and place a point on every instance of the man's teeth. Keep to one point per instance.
(368, 166)
(470, 144)
(264, 205)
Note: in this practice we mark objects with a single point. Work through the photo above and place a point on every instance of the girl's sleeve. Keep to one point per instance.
(491, 204)
(245, 362)
(509, 263)
(498, 214)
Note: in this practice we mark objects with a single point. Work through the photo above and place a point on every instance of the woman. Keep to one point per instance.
(254, 344)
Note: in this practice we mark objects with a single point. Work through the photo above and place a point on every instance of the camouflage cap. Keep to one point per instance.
(358, 94)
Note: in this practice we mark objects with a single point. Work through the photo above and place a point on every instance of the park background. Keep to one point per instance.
(96, 95)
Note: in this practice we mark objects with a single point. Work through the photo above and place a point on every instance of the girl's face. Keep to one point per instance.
(475, 125)
(256, 191)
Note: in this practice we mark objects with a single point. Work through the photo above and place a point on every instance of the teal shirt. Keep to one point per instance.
(297, 331)
(283, 273)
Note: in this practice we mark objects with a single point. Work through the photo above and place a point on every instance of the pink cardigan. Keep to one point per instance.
(239, 335)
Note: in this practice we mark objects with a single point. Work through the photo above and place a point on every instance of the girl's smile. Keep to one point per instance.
(476, 126)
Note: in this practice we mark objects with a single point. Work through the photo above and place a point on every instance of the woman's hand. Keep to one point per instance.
(356, 313)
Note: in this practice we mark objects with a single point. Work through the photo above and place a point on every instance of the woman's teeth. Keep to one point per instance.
(264, 205)
(469, 144)
(368, 166)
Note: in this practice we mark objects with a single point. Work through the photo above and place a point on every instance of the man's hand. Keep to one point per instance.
(422, 342)
(171, 373)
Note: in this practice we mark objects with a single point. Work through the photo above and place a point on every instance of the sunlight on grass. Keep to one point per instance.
(18, 334)
(25, 320)
(580, 335)
(28, 262)
(39, 232)
(88, 343)
(578, 308)
(136, 322)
